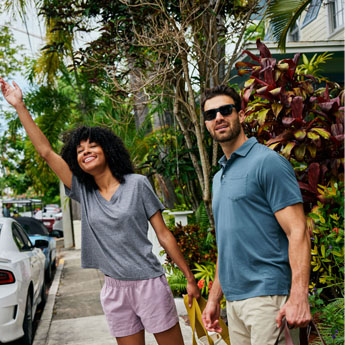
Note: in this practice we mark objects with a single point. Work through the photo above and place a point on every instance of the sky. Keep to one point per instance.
(32, 42)
(31, 36)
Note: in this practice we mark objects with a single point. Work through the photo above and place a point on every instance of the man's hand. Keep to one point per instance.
(296, 311)
(13, 95)
(210, 317)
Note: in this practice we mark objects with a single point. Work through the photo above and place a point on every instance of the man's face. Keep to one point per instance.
(223, 128)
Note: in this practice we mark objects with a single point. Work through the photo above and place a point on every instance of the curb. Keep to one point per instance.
(44, 323)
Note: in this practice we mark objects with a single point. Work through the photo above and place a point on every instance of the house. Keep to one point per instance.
(319, 29)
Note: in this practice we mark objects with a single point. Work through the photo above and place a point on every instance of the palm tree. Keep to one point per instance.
(283, 15)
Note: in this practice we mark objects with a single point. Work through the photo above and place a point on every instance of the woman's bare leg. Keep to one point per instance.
(172, 336)
(134, 339)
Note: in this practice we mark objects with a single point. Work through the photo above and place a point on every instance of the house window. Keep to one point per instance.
(294, 33)
(312, 12)
(336, 13)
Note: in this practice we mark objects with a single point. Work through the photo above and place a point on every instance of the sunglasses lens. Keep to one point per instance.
(210, 114)
(226, 109)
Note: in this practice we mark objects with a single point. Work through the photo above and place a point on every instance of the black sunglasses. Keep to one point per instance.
(225, 110)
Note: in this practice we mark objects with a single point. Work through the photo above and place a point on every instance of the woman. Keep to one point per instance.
(116, 203)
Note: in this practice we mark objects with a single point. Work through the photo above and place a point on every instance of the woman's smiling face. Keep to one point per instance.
(90, 157)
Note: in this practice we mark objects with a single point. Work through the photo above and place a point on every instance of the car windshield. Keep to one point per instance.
(33, 226)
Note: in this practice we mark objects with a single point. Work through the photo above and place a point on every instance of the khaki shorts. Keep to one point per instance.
(253, 321)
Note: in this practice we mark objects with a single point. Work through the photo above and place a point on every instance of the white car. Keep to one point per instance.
(22, 285)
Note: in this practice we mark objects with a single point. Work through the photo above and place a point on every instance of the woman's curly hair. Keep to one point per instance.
(116, 154)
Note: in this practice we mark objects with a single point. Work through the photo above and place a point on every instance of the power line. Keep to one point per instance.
(23, 31)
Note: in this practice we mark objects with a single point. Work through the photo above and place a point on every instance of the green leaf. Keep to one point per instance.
(273, 146)
(276, 108)
(325, 134)
(312, 150)
(300, 151)
(287, 149)
(313, 136)
(249, 82)
(276, 91)
(283, 15)
(323, 251)
(261, 116)
(336, 253)
(300, 134)
(305, 59)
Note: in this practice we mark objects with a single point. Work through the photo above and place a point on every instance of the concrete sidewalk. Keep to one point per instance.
(73, 313)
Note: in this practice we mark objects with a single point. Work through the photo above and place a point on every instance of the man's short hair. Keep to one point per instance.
(221, 90)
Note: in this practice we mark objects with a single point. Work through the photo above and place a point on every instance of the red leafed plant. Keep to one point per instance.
(291, 116)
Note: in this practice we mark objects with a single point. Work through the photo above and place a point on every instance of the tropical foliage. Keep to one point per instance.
(177, 281)
(13, 174)
(169, 58)
(283, 15)
(293, 117)
(326, 224)
(312, 66)
(197, 245)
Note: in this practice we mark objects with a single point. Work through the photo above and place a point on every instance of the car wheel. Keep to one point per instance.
(43, 295)
(54, 265)
(27, 324)
(48, 272)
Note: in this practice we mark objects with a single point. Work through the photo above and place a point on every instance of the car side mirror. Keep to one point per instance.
(41, 244)
(55, 233)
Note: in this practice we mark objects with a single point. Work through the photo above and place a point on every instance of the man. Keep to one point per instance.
(263, 246)
(6, 210)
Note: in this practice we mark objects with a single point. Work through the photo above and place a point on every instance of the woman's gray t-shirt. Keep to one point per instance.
(114, 232)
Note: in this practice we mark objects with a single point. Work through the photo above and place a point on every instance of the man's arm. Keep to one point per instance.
(210, 315)
(296, 310)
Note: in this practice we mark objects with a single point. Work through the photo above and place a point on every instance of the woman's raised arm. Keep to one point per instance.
(14, 96)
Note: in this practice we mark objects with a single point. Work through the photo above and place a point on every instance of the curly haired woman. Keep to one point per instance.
(116, 205)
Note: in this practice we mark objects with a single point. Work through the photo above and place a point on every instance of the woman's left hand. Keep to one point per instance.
(192, 291)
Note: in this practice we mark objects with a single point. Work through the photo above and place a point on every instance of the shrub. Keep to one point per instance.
(326, 227)
(205, 273)
(291, 116)
(197, 245)
(330, 323)
(177, 281)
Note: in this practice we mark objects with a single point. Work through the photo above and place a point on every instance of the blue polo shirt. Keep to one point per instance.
(251, 186)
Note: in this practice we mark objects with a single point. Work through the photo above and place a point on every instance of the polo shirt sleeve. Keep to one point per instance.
(279, 183)
(74, 192)
(150, 200)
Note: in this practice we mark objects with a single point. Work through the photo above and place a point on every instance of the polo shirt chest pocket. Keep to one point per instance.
(236, 187)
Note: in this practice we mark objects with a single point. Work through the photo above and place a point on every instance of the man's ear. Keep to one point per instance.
(205, 122)
(241, 116)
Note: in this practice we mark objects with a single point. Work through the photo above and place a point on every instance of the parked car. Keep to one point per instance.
(37, 231)
(22, 283)
(52, 211)
(58, 228)
(50, 214)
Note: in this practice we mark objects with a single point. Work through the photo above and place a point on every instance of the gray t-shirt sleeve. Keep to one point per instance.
(279, 182)
(150, 200)
(74, 192)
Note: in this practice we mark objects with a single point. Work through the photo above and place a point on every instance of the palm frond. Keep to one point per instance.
(283, 15)
(177, 281)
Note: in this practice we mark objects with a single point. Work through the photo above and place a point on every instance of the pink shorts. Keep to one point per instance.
(133, 305)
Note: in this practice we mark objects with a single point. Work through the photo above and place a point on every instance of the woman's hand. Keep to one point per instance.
(13, 95)
(192, 291)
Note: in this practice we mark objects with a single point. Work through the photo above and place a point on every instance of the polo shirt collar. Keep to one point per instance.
(241, 151)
